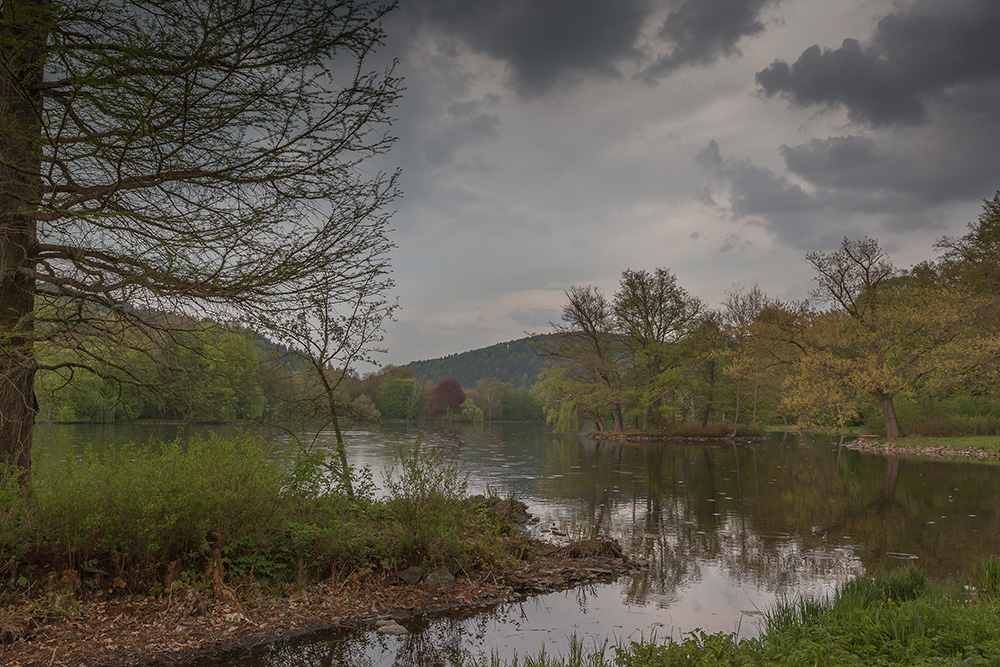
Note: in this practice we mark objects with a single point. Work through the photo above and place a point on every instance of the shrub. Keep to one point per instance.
(141, 509)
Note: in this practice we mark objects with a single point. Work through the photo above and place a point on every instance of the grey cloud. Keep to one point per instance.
(710, 157)
(895, 182)
(545, 44)
(798, 217)
(701, 32)
(914, 57)
(462, 123)
(759, 194)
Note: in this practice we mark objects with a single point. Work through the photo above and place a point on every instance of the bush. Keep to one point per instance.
(435, 522)
(142, 509)
(274, 517)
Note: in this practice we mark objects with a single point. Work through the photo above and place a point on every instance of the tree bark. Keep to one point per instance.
(23, 33)
(709, 394)
(892, 430)
(616, 416)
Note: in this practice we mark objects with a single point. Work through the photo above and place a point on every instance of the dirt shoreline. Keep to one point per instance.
(889, 449)
(122, 629)
(624, 437)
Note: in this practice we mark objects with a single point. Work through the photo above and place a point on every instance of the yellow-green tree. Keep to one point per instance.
(891, 333)
(587, 363)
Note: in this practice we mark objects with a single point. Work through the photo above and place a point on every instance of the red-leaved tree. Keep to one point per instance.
(446, 397)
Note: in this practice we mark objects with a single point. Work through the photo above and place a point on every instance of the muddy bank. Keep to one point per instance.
(887, 448)
(190, 624)
(620, 437)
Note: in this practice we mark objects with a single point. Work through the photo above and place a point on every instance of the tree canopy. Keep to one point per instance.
(202, 156)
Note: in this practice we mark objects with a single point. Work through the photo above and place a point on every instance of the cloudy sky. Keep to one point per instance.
(549, 143)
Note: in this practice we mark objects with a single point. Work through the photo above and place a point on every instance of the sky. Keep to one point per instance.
(551, 143)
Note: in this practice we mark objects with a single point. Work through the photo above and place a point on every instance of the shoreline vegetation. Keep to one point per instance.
(130, 556)
(697, 435)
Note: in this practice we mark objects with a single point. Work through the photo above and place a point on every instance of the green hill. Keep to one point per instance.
(514, 362)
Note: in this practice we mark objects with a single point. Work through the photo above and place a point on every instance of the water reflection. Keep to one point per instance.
(726, 529)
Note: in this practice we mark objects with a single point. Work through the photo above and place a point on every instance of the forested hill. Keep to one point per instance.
(514, 362)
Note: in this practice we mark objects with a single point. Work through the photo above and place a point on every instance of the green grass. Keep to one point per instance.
(887, 620)
(131, 513)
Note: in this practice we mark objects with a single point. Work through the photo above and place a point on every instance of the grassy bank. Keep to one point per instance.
(235, 513)
(887, 620)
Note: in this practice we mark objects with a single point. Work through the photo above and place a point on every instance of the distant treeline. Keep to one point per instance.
(191, 370)
(514, 362)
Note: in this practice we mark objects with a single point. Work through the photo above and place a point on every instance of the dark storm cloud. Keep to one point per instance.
(701, 32)
(831, 207)
(891, 181)
(931, 51)
(545, 44)
(933, 166)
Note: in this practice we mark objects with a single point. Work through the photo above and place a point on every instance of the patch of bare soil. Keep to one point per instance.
(122, 629)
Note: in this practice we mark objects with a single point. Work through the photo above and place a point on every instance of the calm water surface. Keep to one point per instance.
(727, 529)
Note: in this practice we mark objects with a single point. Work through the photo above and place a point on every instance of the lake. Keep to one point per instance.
(727, 529)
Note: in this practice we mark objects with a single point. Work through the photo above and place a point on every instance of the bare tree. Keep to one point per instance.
(330, 332)
(210, 157)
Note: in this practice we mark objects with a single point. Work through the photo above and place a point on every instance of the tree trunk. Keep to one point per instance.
(646, 407)
(736, 418)
(616, 415)
(709, 394)
(345, 468)
(892, 430)
(887, 494)
(22, 51)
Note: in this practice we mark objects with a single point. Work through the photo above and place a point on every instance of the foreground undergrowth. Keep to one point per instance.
(233, 515)
(887, 620)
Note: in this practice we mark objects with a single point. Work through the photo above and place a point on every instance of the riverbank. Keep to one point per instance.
(119, 629)
(155, 555)
(893, 620)
(970, 447)
(714, 432)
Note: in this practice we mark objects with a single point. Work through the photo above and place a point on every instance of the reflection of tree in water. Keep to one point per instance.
(776, 516)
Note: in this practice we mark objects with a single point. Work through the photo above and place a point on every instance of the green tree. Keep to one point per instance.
(201, 157)
(654, 314)
(587, 359)
(490, 393)
(401, 398)
(972, 262)
(520, 405)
